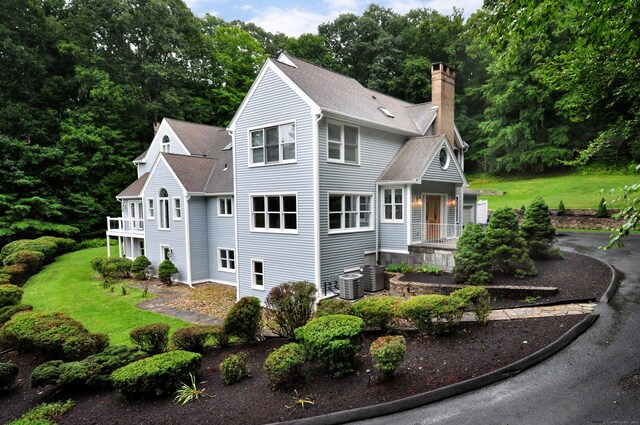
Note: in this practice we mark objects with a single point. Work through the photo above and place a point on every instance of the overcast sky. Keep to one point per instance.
(295, 17)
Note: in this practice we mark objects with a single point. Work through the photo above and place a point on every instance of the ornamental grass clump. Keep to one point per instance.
(509, 250)
(244, 320)
(388, 353)
(472, 257)
(433, 314)
(479, 298)
(234, 368)
(376, 312)
(536, 228)
(289, 306)
(152, 338)
(333, 341)
(283, 367)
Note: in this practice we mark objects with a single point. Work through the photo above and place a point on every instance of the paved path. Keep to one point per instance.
(538, 311)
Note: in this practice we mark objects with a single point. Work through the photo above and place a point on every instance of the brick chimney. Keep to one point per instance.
(443, 88)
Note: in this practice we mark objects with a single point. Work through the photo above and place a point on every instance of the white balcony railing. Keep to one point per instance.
(445, 235)
(121, 226)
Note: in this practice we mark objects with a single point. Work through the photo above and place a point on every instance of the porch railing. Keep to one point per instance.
(436, 234)
(125, 225)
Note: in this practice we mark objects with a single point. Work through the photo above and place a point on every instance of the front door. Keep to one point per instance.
(432, 217)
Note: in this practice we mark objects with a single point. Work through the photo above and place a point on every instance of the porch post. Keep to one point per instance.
(119, 246)
(108, 246)
(409, 206)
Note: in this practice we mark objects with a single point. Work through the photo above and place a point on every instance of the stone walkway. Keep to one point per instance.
(536, 311)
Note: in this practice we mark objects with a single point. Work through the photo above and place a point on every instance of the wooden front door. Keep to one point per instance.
(432, 217)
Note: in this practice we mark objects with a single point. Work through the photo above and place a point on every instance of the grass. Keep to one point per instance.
(69, 285)
(577, 191)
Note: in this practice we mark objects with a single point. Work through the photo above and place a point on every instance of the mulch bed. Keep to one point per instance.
(430, 363)
(578, 278)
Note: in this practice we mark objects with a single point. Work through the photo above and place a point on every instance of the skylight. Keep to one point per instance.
(386, 112)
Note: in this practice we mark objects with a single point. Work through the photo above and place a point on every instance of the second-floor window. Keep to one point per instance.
(177, 209)
(349, 212)
(274, 213)
(151, 212)
(163, 201)
(392, 205)
(225, 206)
(273, 145)
(343, 143)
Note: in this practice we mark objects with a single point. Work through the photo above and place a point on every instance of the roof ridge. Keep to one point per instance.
(196, 123)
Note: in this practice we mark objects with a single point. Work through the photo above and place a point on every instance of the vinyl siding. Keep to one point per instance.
(436, 173)
(176, 236)
(346, 250)
(199, 238)
(286, 257)
(221, 232)
(156, 147)
(393, 236)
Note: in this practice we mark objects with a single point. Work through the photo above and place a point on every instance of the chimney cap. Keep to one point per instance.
(441, 66)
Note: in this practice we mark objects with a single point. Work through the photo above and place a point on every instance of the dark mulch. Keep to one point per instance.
(577, 277)
(430, 363)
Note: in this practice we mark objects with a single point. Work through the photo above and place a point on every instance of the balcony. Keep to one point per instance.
(120, 226)
(435, 235)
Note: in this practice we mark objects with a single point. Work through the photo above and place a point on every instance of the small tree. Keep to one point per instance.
(536, 228)
(602, 211)
(472, 257)
(561, 210)
(289, 306)
(166, 269)
(508, 249)
(141, 267)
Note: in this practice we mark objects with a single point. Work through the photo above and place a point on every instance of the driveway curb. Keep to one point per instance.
(460, 387)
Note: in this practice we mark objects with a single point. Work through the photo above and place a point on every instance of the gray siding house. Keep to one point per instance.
(315, 176)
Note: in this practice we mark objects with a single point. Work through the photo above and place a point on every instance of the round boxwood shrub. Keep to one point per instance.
(166, 269)
(157, 375)
(388, 353)
(152, 338)
(289, 306)
(283, 367)
(334, 306)
(140, 267)
(55, 334)
(479, 297)
(234, 368)
(7, 312)
(8, 373)
(433, 313)
(193, 338)
(376, 311)
(32, 259)
(472, 257)
(333, 341)
(10, 295)
(244, 320)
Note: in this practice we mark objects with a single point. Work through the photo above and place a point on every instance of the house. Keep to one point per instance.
(315, 176)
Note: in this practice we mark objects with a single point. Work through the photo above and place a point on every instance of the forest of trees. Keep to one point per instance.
(540, 85)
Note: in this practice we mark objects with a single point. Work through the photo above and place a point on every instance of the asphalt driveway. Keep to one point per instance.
(593, 381)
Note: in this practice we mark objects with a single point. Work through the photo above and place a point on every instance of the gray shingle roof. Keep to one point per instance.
(337, 93)
(134, 189)
(412, 160)
(200, 139)
(202, 175)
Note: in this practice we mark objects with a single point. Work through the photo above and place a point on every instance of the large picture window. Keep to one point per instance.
(163, 201)
(392, 205)
(349, 212)
(273, 145)
(343, 142)
(275, 213)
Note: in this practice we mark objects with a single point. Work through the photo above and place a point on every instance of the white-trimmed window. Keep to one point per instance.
(166, 144)
(349, 212)
(343, 143)
(226, 260)
(225, 206)
(274, 213)
(141, 246)
(163, 201)
(257, 274)
(177, 209)
(151, 212)
(393, 205)
(273, 145)
(165, 252)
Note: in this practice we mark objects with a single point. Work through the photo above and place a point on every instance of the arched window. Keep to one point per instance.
(166, 144)
(163, 200)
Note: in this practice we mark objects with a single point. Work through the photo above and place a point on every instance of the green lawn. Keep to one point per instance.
(68, 285)
(575, 190)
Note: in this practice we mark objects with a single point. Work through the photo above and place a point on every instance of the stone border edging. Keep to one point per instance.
(453, 389)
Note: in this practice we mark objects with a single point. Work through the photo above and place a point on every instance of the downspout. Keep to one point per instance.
(187, 237)
(377, 221)
(316, 201)
(235, 210)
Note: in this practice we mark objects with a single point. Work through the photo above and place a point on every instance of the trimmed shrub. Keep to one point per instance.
(472, 257)
(289, 306)
(8, 373)
(10, 295)
(244, 320)
(283, 367)
(561, 209)
(152, 338)
(536, 228)
(44, 414)
(376, 311)
(48, 248)
(509, 250)
(112, 267)
(433, 313)
(166, 269)
(7, 312)
(479, 297)
(19, 273)
(602, 211)
(97, 263)
(140, 268)
(55, 334)
(5, 278)
(63, 245)
(221, 338)
(95, 243)
(333, 341)
(94, 371)
(334, 306)
(157, 375)
(388, 353)
(32, 259)
(234, 368)
(193, 338)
